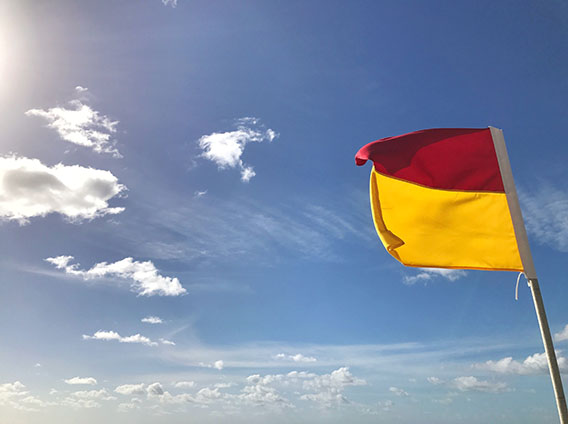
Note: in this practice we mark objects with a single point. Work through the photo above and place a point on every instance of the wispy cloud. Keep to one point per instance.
(545, 211)
(142, 276)
(172, 3)
(398, 391)
(232, 229)
(81, 125)
(114, 336)
(32, 189)
(427, 274)
(225, 149)
(472, 384)
(81, 381)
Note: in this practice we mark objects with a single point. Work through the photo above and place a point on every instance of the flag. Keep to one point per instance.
(438, 199)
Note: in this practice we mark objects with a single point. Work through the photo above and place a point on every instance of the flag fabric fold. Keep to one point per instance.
(438, 200)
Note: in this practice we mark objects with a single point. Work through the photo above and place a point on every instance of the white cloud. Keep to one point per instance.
(467, 384)
(545, 211)
(152, 320)
(172, 3)
(397, 391)
(199, 194)
(296, 358)
(427, 274)
(30, 189)
(130, 389)
(81, 380)
(101, 394)
(226, 149)
(87, 399)
(563, 335)
(328, 388)
(217, 365)
(16, 396)
(81, 125)
(533, 364)
(184, 384)
(112, 335)
(10, 390)
(155, 389)
(143, 276)
(435, 380)
(167, 342)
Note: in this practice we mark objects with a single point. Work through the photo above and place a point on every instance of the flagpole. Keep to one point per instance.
(529, 269)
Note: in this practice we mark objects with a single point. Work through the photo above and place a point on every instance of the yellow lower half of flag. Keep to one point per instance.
(426, 227)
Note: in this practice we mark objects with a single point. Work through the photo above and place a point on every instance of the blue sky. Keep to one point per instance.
(185, 235)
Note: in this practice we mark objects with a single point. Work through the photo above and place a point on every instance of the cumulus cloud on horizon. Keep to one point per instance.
(533, 364)
(142, 276)
(81, 381)
(31, 189)
(225, 149)
(81, 125)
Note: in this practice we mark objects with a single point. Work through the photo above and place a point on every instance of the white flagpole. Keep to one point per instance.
(528, 266)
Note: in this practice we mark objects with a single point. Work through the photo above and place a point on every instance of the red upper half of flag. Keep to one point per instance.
(443, 158)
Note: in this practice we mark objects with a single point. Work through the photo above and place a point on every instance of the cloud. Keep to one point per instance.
(563, 335)
(87, 399)
(10, 390)
(101, 394)
(217, 365)
(172, 3)
(143, 276)
(533, 364)
(427, 274)
(225, 149)
(81, 125)
(16, 396)
(397, 391)
(296, 358)
(435, 380)
(468, 384)
(130, 389)
(199, 194)
(545, 211)
(184, 384)
(112, 335)
(167, 342)
(30, 189)
(328, 388)
(155, 389)
(82, 380)
(152, 320)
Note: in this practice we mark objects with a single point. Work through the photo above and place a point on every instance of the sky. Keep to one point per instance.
(185, 236)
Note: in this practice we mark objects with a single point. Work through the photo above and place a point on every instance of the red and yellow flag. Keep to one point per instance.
(438, 200)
